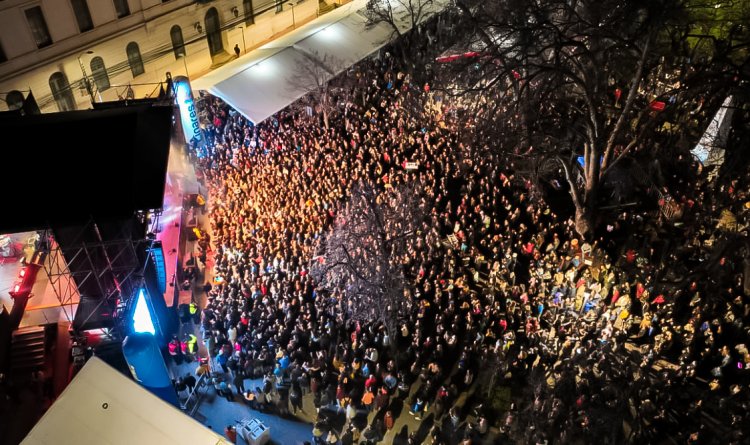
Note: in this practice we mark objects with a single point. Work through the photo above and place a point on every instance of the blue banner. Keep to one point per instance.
(188, 112)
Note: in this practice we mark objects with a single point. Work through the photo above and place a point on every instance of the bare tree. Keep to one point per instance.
(405, 18)
(361, 258)
(387, 11)
(580, 82)
(315, 76)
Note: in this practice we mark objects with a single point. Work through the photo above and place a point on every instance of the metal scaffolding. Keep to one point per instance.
(107, 269)
(59, 275)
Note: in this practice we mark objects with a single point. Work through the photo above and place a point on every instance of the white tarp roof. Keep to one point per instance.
(267, 79)
(132, 416)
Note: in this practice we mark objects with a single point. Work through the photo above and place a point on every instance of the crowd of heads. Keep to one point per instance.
(503, 293)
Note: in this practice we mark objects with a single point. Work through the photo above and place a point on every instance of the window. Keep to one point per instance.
(83, 16)
(247, 6)
(61, 91)
(279, 6)
(213, 32)
(134, 59)
(38, 26)
(99, 71)
(178, 45)
(14, 100)
(122, 8)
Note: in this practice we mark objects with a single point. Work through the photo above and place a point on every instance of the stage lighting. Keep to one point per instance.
(25, 281)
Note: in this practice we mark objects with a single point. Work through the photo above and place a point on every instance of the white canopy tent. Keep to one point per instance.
(104, 407)
(267, 79)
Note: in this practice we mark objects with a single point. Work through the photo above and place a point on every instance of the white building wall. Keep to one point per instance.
(148, 24)
(15, 35)
(61, 20)
(103, 11)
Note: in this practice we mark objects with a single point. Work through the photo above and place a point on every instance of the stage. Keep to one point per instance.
(181, 182)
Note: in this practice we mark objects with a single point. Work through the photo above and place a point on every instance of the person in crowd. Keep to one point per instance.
(222, 389)
(238, 380)
(189, 381)
(389, 420)
(231, 433)
(175, 350)
(295, 397)
(498, 277)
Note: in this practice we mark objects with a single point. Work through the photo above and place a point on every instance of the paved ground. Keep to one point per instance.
(216, 412)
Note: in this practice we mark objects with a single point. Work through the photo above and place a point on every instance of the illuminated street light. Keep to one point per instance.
(244, 48)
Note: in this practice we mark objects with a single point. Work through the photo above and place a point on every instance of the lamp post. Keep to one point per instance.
(86, 81)
(244, 48)
(294, 23)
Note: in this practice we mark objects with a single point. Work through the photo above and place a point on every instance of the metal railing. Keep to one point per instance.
(191, 404)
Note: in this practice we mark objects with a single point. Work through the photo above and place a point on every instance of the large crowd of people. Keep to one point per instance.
(503, 292)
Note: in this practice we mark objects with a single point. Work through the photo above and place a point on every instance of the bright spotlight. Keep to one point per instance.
(142, 320)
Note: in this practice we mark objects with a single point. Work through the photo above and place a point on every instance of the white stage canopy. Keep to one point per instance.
(104, 407)
(268, 79)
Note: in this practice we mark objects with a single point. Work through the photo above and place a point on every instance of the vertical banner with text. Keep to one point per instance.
(189, 113)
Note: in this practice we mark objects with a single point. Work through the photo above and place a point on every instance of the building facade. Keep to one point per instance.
(69, 53)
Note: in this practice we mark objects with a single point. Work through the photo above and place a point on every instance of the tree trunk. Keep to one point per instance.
(391, 328)
(583, 201)
(584, 223)
(585, 208)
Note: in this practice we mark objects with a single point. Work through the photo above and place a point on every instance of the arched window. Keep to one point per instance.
(14, 100)
(178, 44)
(99, 71)
(247, 6)
(213, 32)
(61, 91)
(134, 59)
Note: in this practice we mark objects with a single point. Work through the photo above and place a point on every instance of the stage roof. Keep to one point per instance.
(68, 167)
(103, 406)
(271, 77)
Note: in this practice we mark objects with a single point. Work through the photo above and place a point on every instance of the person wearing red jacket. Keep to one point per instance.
(231, 433)
(175, 350)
